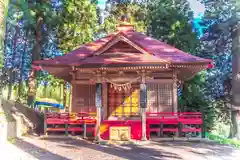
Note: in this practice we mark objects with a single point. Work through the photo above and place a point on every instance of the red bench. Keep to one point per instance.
(178, 121)
(64, 122)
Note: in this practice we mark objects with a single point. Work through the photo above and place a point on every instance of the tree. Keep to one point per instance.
(3, 16)
(78, 24)
(218, 45)
(136, 12)
(41, 18)
(168, 21)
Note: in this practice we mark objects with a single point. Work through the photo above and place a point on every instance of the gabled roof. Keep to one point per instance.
(123, 48)
(77, 54)
(153, 51)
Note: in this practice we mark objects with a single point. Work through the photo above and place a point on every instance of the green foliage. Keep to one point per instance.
(136, 14)
(223, 140)
(78, 24)
(169, 21)
(192, 100)
(35, 10)
(218, 46)
(3, 13)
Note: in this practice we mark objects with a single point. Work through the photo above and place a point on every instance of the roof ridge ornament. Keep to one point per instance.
(125, 24)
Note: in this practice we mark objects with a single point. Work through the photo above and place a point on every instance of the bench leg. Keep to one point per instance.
(84, 130)
(161, 129)
(203, 131)
(180, 129)
(66, 129)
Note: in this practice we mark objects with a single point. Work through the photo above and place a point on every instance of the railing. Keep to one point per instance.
(177, 123)
(70, 123)
(161, 123)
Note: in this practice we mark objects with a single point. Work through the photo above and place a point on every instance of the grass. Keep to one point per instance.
(12, 140)
(223, 140)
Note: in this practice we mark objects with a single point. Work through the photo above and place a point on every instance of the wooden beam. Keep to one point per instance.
(81, 82)
(163, 81)
(162, 74)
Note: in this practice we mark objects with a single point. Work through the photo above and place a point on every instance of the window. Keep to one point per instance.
(159, 97)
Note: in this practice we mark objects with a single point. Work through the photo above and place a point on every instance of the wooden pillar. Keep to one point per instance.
(98, 101)
(143, 105)
(175, 93)
(105, 100)
(71, 96)
(65, 96)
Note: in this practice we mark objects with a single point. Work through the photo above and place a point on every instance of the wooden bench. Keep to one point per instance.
(64, 122)
(177, 121)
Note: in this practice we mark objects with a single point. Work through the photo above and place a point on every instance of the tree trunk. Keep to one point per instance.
(35, 56)
(3, 26)
(12, 70)
(3, 40)
(235, 80)
(234, 128)
(10, 84)
(21, 68)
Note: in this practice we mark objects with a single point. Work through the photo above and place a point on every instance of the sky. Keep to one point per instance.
(197, 7)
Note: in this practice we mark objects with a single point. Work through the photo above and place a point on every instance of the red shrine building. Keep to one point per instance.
(127, 83)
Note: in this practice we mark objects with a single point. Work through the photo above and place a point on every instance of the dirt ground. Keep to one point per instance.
(60, 148)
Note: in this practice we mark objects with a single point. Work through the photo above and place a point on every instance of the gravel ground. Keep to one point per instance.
(60, 148)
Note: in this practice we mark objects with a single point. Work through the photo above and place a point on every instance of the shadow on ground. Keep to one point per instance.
(71, 148)
(131, 152)
(37, 152)
(200, 148)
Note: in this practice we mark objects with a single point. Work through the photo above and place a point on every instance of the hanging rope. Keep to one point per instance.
(121, 87)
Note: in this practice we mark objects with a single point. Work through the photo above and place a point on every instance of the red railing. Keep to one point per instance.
(175, 122)
(65, 122)
(156, 122)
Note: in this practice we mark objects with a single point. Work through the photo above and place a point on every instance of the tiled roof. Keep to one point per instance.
(77, 54)
(158, 53)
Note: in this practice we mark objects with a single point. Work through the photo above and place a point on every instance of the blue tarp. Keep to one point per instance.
(55, 105)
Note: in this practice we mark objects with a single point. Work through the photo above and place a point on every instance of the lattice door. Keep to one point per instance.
(159, 97)
(123, 103)
(85, 98)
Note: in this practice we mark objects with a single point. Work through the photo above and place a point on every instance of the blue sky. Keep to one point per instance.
(197, 7)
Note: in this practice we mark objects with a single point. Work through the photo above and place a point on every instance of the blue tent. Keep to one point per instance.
(55, 105)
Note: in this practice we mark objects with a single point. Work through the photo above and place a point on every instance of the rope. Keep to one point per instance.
(120, 87)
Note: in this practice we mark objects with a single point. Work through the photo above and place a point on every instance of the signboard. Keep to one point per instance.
(143, 96)
(120, 133)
